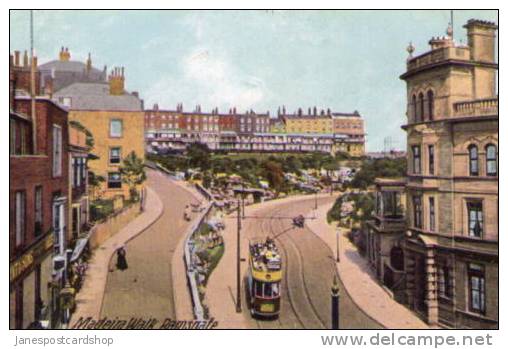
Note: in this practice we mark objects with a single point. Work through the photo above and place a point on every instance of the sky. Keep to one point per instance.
(260, 60)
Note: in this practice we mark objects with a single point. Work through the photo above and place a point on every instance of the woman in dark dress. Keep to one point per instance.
(121, 261)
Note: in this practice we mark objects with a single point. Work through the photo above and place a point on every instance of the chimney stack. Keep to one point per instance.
(16, 58)
(64, 55)
(89, 63)
(25, 59)
(48, 86)
(481, 37)
(116, 82)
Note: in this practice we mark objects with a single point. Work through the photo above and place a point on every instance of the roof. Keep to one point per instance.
(354, 114)
(65, 73)
(69, 66)
(95, 96)
(306, 116)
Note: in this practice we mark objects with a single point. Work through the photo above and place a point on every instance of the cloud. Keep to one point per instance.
(210, 80)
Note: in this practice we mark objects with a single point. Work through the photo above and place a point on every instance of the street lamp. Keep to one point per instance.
(239, 227)
(243, 200)
(335, 303)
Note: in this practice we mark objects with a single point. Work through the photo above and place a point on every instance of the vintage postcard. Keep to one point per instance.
(260, 169)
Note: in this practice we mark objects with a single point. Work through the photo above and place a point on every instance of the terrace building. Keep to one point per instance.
(38, 199)
(250, 131)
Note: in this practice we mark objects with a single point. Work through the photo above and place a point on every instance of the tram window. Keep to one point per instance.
(275, 289)
(259, 289)
(268, 290)
(272, 289)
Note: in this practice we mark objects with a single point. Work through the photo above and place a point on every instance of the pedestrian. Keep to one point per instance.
(121, 261)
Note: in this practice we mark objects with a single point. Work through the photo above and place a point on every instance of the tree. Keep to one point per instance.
(133, 173)
(95, 182)
(199, 156)
(372, 169)
(274, 175)
(292, 164)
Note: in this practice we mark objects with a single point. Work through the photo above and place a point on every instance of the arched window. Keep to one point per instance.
(430, 101)
(491, 151)
(473, 160)
(421, 107)
(415, 115)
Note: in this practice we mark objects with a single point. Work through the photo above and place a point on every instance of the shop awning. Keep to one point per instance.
(80, 246)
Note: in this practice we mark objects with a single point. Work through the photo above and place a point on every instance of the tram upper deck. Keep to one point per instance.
(265, 261)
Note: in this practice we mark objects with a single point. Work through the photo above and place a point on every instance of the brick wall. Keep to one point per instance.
(28, 171)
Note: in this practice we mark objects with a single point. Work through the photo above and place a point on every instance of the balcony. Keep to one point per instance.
(389, 215)
(479, 107)
(390, 223)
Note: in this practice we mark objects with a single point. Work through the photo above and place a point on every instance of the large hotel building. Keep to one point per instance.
(323, 131)
(438, 251)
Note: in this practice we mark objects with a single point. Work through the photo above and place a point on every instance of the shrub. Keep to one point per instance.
(101, 209)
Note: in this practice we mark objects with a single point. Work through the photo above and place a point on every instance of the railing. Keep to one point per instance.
(203, 191)
(438, 55)
(199, 312)
(479, 107)
(390, 224)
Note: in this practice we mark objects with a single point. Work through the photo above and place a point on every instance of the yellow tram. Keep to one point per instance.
(264, 277)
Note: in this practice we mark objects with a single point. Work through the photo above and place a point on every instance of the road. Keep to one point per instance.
(308, 271)
(145, 289)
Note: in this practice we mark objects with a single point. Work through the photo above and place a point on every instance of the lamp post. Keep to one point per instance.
(243, 200)
(239, 227)
(335, 303)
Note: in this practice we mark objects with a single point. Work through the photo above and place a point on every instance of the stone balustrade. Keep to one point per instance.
(479, 107)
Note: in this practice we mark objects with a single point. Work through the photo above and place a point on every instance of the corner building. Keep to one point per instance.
(38, 200)
(451, 245)
(115, 117)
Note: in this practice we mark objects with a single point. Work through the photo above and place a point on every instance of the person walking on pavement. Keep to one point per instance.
(121, 261)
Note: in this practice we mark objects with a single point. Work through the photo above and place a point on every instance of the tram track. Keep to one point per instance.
(296, 293)
(307, 312)
(308, 269)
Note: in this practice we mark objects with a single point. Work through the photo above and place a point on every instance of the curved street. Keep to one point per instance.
(308, 271)
(309, 268)
(146, 288)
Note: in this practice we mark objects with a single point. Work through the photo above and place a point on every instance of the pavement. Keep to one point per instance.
(89, 299)
(359, 279)
(181, 292)
(155, 285)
